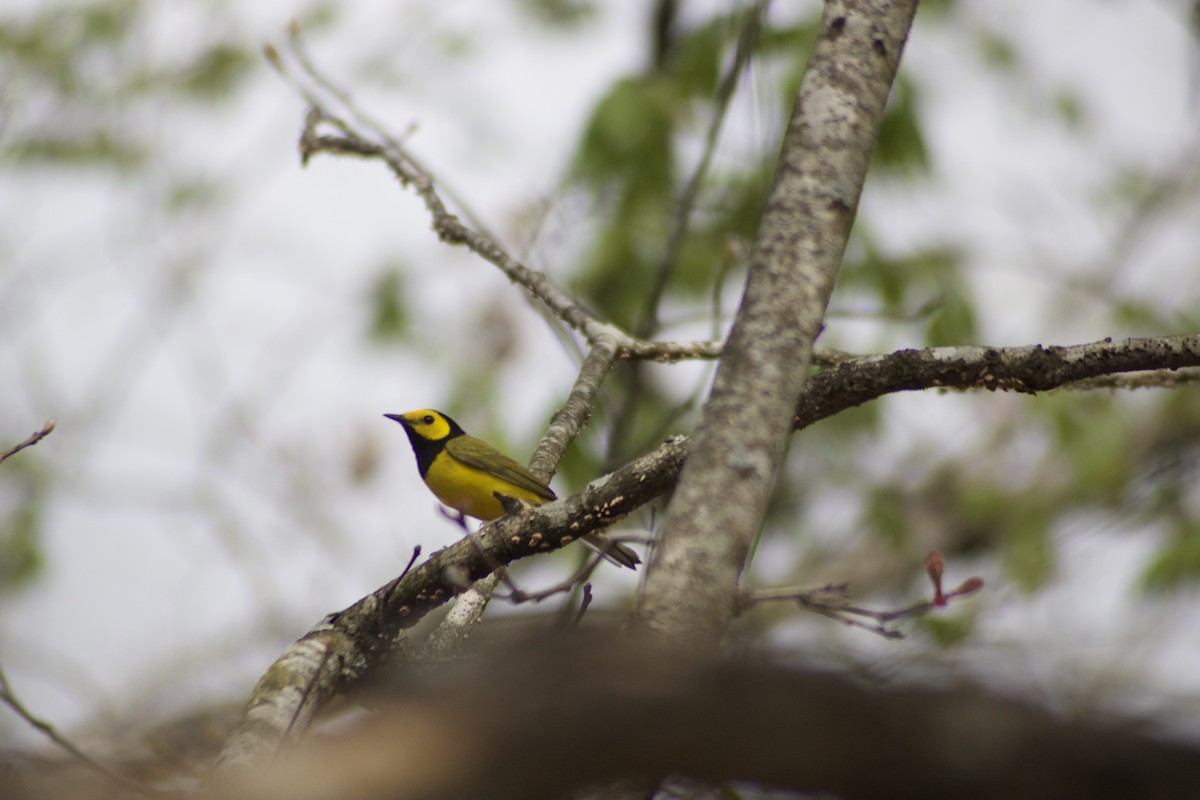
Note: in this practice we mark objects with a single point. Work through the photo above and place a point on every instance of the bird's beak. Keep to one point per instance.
(397, 418)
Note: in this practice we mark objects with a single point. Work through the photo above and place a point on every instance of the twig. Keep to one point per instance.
(518, 596)
(584, 603)
(1027, 370)
(687, 199)
(449, 228)
(343, 96)
(31, 441)
(837, 608)
(9, 698)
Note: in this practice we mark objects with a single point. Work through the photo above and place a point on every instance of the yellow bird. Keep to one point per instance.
(477, 480)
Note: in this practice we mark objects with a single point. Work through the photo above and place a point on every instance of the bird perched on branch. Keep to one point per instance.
(477, 480)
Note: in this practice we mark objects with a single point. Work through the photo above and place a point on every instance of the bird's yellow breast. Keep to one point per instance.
(471, 490)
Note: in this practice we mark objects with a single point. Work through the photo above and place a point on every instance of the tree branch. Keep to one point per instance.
(547, 721)
(338, 651)
(691, 582)
(347, 645)
(1030, 369)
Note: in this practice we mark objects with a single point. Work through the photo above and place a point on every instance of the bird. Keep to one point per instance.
(477, 480)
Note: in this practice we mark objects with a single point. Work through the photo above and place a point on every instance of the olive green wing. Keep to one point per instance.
(482, 456)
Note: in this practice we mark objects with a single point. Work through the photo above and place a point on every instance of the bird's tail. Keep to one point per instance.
(613, 552)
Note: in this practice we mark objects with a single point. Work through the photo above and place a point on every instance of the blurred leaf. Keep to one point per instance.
(887, 515)
(620, 268)
(318, 16)
(901, 145)
(107, 21)
(1070, 109)
(185, 195)
(997, 50)
(388, 304)
(910, 287)
(1133, 313)
(1178, 563)
(560, 13)
(93, 148)
(947, 630)
(1026, 549)
(627, 141)
(860, 422)
(695, 60)
(792, 45)
(20, 553)
(952, 321)
(216, 72)
(21, 557)
(1094, 436)
(937, 7)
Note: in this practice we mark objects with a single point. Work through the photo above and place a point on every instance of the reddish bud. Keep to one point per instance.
(934, 566)
(970, 586)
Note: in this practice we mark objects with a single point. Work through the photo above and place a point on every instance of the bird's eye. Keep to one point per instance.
(427, 419)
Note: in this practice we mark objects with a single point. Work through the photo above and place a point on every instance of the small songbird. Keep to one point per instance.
(477, 480)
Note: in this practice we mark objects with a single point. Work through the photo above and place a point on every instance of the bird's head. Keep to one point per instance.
(426, 424)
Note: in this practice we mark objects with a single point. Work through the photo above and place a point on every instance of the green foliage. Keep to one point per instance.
(790, 46)
(1093, 436)
(99, 147)
(984, 515)
(1070, 108)
(947, 630)
(215, 71)
(318, 16)
(887, 515)
(21, 558)
(920, 285)
(627, 159)
(997, 50)
(901, 145)
(627, 144)
(387, 301)
(187, 195)
(695, 61)
(1178, 562)
(953, 319)
(68, 61)
(1027, 552)
(560, 13)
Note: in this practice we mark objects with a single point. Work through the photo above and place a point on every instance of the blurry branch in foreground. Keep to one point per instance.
(346, 646)
(546, 720)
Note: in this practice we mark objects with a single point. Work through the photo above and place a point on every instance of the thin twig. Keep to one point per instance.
(9, 698)
(584, 603)
(829, 601)
(449, 228)
(31, 441)
(681, 220)
(346, 99)
(648, 324)
(580, 577)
